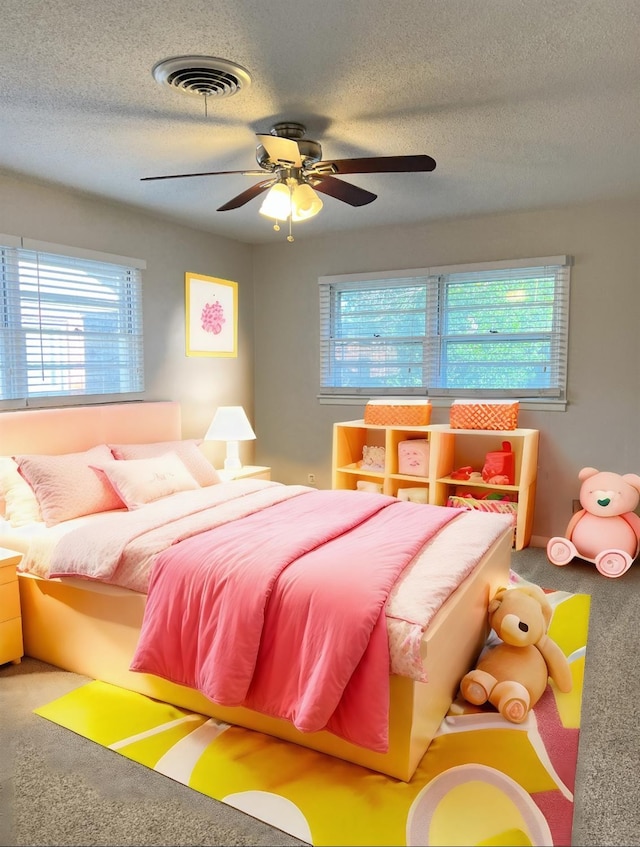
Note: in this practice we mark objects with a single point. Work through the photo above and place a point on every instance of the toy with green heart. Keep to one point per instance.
(606, 530)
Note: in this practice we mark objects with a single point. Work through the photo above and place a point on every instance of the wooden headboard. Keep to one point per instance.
(75, 428)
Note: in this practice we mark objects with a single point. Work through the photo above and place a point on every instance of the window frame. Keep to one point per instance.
(436, 342)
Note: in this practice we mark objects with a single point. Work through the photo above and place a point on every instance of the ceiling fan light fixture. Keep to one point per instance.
(277, 202)
(291, 199)
(305, 202)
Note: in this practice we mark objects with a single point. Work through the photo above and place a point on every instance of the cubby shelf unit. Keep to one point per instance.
(449, 449)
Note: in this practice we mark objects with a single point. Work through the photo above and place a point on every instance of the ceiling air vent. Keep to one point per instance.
(202, 75)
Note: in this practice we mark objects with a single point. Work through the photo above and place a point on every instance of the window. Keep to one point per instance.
(70, 324)
(491, 330)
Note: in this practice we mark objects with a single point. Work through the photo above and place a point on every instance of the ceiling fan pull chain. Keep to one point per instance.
(291, 184)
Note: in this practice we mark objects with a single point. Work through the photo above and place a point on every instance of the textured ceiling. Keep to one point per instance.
(522, 103)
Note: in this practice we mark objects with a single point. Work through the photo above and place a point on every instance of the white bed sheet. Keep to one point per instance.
(36, 540)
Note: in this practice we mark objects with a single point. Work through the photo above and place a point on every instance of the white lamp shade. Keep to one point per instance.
(230, 423)
(277, 203)
(306, 202)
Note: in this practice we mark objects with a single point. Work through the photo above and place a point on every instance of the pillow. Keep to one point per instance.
(67, 486)
(194, 459)
(20, 504)
(140, 481)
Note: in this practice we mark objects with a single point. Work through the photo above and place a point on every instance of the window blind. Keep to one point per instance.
(70, 325)
(373, 333)
(491, 330)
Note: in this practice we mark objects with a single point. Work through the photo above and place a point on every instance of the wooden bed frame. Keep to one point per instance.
(92, 629)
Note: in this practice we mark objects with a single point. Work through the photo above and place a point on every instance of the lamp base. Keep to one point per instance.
(232, 461)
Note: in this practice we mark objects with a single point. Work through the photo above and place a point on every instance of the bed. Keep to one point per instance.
(97, 626)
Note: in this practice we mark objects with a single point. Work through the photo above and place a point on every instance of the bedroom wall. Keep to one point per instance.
(294, 430)
(200, 384)
(599, 426)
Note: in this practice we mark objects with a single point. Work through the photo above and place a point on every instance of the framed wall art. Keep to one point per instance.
(211, 315)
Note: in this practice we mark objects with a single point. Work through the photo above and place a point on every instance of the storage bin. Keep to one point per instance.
(414, 495)
(504, 507)
(398, 411)
(484, 414)
(372, 487)
(413, 457)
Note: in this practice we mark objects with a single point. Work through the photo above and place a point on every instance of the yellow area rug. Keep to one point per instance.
(483, 780)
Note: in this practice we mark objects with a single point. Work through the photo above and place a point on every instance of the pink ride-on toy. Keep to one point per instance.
(606, 531)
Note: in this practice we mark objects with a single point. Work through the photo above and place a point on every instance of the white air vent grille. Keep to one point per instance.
(202, 76)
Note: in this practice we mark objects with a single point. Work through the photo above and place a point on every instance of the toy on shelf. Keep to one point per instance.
(606, 531)
(466, 473)
(499, 466)
(513, 674)
(373, 458)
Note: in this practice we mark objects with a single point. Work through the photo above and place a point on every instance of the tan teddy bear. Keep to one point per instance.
(513, 674)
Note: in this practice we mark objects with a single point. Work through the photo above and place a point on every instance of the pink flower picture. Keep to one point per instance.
(212, 318)
(211, 312)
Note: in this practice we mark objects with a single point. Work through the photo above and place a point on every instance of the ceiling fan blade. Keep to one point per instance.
(283, 151)
(377, 165)
(245, 196)
(341, 190)
(207, 173)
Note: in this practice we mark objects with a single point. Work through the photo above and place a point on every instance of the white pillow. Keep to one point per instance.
(188, 450)
(140, 481)
(20, 503)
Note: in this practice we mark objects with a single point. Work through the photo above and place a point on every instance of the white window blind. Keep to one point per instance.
(491, 330)
(70, 325)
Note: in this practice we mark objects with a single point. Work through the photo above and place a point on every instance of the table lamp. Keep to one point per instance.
(230, 424)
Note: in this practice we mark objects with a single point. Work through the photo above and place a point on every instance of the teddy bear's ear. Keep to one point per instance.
(538, 594)
(632, 479)
(585, 473)
(497, 600)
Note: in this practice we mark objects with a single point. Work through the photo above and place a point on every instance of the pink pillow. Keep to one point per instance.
(194, 459)
(140, 481)
(67, 486)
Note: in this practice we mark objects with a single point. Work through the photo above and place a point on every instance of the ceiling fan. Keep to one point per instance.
(293, 161)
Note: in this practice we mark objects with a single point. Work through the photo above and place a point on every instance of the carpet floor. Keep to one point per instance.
(483, 781)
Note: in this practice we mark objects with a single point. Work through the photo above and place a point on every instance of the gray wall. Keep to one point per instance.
(599, 426)
(275, 376)
(200, 384)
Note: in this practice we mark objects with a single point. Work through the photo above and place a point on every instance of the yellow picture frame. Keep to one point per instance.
(211, 316)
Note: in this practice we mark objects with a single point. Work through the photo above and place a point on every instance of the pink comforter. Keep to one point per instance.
(283, 611)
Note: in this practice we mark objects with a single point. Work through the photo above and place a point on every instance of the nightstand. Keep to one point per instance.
(11, 648)
(246, 471)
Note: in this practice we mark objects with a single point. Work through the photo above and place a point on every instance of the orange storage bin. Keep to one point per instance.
(484, 414)
(398, 411)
